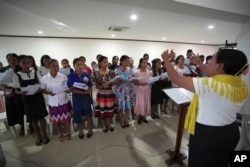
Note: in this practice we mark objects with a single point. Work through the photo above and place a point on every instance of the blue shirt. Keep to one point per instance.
(84, 78)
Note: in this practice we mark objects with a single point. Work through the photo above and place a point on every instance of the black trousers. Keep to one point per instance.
(210, 145)
(14, 110)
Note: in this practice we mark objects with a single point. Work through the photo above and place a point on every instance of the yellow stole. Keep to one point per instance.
(231, 87)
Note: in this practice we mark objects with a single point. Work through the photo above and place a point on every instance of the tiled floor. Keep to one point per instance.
(137, 146)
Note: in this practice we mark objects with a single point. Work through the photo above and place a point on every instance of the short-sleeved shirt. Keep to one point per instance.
(84, 78)
(213, 109)
(25, 76)
(49, 82)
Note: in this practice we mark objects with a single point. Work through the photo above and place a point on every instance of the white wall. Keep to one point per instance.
(244, 40)
(72, 48)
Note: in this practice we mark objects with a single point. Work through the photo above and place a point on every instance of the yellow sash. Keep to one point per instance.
(231, 87)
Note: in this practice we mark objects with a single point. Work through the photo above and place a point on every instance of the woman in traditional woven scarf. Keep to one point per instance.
(212, 112)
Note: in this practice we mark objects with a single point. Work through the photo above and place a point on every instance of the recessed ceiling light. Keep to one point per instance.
(113, 35)
(40, 32)
(202, 41)
(210, 27)
(163, 38)
(133, 17)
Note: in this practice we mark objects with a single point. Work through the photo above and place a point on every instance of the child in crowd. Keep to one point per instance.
(143, 92)
(44, 69)
(34, 103)
(54, 84)
(66, 70)
(124, 91)
(157, 94)
(105, 100)
(80, 85)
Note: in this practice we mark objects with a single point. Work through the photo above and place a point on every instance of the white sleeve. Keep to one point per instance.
(199, 87)
(16, 83)
(43, 84)
(38, 76)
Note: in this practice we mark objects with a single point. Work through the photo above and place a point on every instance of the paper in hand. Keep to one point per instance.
(153, 79)
(80, 85)
(164, 75)
(30, 89)
(58, 89)
(7, 76)
(115, 78)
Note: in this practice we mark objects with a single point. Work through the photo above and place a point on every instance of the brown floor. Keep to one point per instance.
(137, 146)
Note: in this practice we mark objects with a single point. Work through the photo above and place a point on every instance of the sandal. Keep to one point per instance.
(38, 142)
(46, 140)
(60, 137)
(68, 136)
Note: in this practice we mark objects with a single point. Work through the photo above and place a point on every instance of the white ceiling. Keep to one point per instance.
(177, 20)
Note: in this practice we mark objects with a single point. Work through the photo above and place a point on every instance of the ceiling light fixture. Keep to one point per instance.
(113, 35)
(202, 41)
(40, 32)
(210, 27)
(133, 17)
(163, 38)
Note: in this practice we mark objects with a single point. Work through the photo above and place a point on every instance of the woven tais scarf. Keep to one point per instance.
(231, 87)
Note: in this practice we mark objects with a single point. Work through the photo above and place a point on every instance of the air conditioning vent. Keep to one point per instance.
(117, 28)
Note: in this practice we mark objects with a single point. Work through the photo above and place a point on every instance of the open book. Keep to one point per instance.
(179, 95)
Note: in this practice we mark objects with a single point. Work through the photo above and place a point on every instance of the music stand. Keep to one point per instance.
(181, 97)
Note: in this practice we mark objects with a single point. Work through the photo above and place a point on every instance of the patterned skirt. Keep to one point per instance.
(61, 113)
(105, 104)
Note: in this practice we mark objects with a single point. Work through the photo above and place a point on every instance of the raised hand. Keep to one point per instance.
(166, 55)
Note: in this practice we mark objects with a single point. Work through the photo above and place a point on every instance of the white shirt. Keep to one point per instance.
(50, 82)
(213, 109)
(25, 76)
(180, 72)
(43, 70)
(246, 107)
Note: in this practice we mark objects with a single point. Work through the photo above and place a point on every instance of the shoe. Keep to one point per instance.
(157, 117)
(105, 130)
(81, 136)
(153, 117)
(38, 142)
(111, 129)
(68, 136)
(127, 125)
(46, 140)
(89, 135)
(60, 137)
(144, 120)
(139, 121)
(123, 126)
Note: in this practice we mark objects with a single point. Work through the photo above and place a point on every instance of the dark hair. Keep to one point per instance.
(202, 56)
(76, 60)
(21, 57)
(233, 61)
(83, 58)
(154, 67)
(52, 61)
(177, 58)
(209, 57)
(11, 55)
(33, 62)
(145, 54)
(140, 61)
(114, 58)
(123, 57)
(64, 60)
(101, 58)
(44, 57)
(189, 50)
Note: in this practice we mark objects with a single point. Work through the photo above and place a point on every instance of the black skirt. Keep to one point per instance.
(35, 107)
(14, 109)
(157, 94)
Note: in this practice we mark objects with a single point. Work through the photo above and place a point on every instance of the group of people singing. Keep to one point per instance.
(213, 131)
